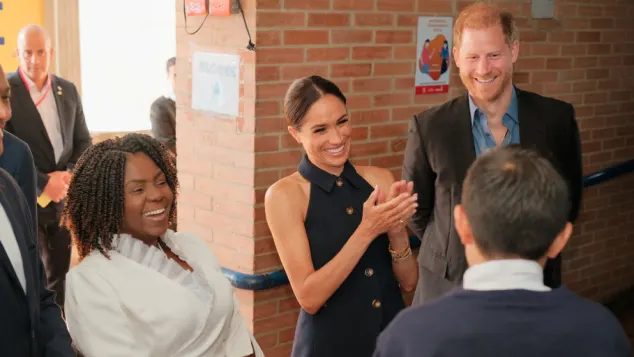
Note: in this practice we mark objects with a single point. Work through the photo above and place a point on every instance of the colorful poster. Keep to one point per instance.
(433, 51)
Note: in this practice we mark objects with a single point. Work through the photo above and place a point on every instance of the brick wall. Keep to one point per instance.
(368, 47)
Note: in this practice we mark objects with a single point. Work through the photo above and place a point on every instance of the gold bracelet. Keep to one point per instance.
(402, 255)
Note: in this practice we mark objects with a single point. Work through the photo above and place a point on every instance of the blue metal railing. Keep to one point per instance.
(278, 278)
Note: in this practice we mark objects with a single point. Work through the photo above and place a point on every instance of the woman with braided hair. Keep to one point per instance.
(141, 289)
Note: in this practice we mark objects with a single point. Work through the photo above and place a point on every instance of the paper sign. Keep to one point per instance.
(433, 61)
(216, 82)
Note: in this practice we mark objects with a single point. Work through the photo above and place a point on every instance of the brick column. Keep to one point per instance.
(368, 47)
(216, 153)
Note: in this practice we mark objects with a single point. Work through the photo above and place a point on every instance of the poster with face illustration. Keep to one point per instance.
(433, 54)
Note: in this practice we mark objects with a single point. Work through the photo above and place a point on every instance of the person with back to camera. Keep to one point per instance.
(141, 289)
(339, 230)
(513, 216)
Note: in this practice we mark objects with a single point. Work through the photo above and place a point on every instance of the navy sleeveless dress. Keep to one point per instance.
(351, 320)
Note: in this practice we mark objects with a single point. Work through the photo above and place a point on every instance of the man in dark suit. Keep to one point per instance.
(163, 111)
(17, 160)
(48, 116)
(31, 323)
(445, 140)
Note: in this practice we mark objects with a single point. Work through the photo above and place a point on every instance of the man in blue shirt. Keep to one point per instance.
(445, 140)
(513, 217)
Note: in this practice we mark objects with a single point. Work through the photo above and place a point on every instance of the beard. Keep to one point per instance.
(487, 92)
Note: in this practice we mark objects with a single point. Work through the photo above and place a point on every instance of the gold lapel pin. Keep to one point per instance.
(59, 90)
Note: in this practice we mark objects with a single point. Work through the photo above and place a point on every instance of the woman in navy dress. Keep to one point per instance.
(339, 230)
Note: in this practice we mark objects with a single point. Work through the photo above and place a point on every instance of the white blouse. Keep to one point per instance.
(142, 304)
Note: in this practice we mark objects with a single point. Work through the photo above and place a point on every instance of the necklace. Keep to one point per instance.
(158, 243)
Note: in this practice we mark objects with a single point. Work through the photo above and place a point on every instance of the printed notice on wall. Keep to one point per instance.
(433, 61)
(216, 82)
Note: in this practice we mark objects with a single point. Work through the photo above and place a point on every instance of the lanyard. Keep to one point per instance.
(28, 88)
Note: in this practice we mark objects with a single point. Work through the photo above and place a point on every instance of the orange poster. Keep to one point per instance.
(433, 55)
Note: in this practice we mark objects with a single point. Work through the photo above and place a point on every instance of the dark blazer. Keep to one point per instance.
(17, 160)
(163, 118)
(439, 151)
(31, 323)
(27, 125)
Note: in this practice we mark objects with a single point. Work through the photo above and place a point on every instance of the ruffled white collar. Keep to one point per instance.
(154, 258)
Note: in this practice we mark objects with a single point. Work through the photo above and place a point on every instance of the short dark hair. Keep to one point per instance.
(516, 203)
(170, 63)
(303, 93)
(93, 212)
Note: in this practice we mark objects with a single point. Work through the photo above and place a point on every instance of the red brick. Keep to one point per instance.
(280, 55)
(574, 50)
(405, 113)
(395, 5)
(602, 23)
(404, 52)
(328, 20)
(545, 49)
(295, 72)
(352, 5)
(278, 159)
(273, 90)
(599, 49)
(267, 108)
(586, 36)
(371, 53)
(268, 4)
(371, 85)
(558, 63)
(590, 11)
(351, 36)
(585, 62)
(373, 20)
(533, 36)
(267, 73)
(434, 6)
(359, 101)
(327, 54)
(287, 335)
(396, 99)
(306, 37)
(280, 19)
(274, 323)
(531, 63)
(388, 131)
(392, 69)
(522, 77)
(267, 143)
(368, 149)
(267, 262)
(370, 116)
(351, 70)
(388, 161)
(407, 20)
(360, 134)
(269, 38)
(307, 5)
(561, 37)
(394, 37)
(584, 86)
(269, 125)
(576, 23)
(267, 341)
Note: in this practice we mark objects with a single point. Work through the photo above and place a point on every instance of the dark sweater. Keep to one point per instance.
(513, 323)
